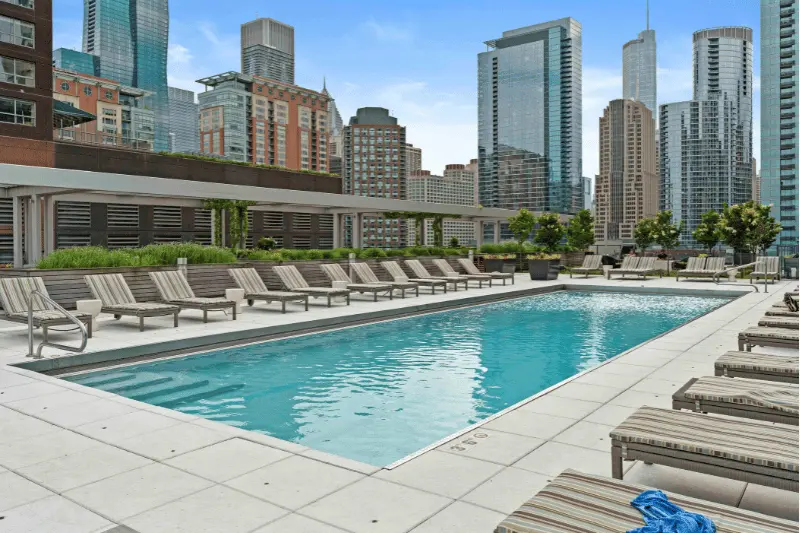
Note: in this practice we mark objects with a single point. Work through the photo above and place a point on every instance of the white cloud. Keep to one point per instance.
(388, 32)
(178, 54)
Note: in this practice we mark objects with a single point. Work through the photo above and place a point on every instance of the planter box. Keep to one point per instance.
(507, 266)
(543, 269)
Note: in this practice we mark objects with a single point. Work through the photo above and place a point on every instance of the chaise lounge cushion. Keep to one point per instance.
(46, 315)
(770, 333)
(765, 394)
(759, 362)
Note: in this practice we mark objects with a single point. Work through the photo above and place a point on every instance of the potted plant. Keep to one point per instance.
(544, 266)
(505, 263)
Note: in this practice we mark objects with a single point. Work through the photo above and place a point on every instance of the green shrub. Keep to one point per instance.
(396, 253)
(315, 254)
(263, 255)
(369, 253)
(266, 243)
(342, 253)
(151, 255)
(419, 250)
(195, 254)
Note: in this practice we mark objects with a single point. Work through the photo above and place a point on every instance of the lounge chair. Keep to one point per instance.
(779, 322)
(638, 266)
(396, 271)
(767, 267)
(777, 311)
(422, 273)
(117, 299)
(751, 365)
(629, 264)
(336, 273)
(174, 289)
(366, 275)
(757, 336)
(470, 268)
(254, 289)
(746, 450)
(576, 502)
(695, 267)
(294, 281)
(591, 264)
(746, 398)
(14, 294)
(448, 271)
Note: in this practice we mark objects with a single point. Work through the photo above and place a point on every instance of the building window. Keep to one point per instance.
(16, 32)
(17, 71)
(64, 86)
(15, 111)
(21, 3)
(259, 88)
(87, 91)
(109, 95)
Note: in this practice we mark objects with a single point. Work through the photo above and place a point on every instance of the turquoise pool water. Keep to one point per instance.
(378, 392)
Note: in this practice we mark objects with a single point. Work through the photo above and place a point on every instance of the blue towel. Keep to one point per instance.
(662, 516)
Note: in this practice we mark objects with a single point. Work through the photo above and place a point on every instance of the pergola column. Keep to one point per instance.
(35, 229)
(496, 238)
(48, 219)
(358, 228)
(478, 233)
(213, 225)
(16, 205)
(337, 230)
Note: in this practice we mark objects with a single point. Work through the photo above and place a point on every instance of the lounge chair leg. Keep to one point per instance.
(141, 323)
(250, 303)
(329, 300)
(44, 333)
(117, 317)
(89, 328)
(391, 294)
(417, 290)
(205, 315)
(234, 311)
(348, 299)
(374, 296)
(306, 300)
(175, 320)
(616, 462)
(283, 306)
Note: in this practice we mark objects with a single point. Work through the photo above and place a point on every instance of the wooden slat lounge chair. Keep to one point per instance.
(591, 264)
(778, 337)
(396, 271)
(751, 365)
(174, 289)
(779, 322)
(781, 311)
(695, 267)
(421, 272)
(575, 502)
(254, 289)
(117, 299)
(638, 266)
(366, 275)
(629, 265)
(295, 282)
(14, 293)
(470, 268)
(745, 398)
(746, 450)
(767, 267)
(336, 273)
(447, 270)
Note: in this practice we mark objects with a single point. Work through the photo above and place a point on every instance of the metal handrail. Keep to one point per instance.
(715, 277)
(72, 318)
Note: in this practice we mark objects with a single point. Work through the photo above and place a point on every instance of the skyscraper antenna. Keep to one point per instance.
(647, 3)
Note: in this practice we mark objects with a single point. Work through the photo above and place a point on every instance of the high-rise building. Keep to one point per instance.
(262, 121)
(529, 119)
(184, 124)
(129, 38)
(335, 144)
(588, 190)
(779, 130)
(639, 68)
(76, 61)
(413, 158)
(457, 186)
(26, 69)
(706, 144)
(626, 189)
(465, 172)
(268, 50)
(374, 165)
(756, 183)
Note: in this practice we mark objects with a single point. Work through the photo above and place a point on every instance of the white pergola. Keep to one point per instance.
(38, 187)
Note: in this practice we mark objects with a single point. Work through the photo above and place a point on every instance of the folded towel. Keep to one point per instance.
(662, 516)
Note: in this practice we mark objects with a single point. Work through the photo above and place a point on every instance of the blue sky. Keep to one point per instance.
(418, 58)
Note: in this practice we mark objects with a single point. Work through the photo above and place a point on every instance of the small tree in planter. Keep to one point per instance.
(580, 232)
(521, 225)
(454, 242)
(748, 227)
(644, 234)
(266, 243)
(665, 233)
(707, 232)
(544, 266)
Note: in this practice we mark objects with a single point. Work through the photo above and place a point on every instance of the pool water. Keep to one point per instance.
(376, 393)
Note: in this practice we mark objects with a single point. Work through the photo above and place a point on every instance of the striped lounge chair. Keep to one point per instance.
(779, 322)
(746, 450)
(294, 281)
(117, 299)
(695, 268)
(174, 289)
(746, 398)
(778, 337)
(421, 272)
(470, 268)
(575, 502)
(768, 367)
(14, 294)
(767, 267)
(366, 275)
(628, 266)
(591, 264)
(254, 289)
(396, 271)
(335, 272)
(781, 311)
(447, 270)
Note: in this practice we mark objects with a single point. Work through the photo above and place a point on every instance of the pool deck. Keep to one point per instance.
(79, 460)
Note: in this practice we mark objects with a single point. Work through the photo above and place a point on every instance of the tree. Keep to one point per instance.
(707, 232)
(454, 242)
(748, 227)
(550, 232)
(521, 225)
(644, 234)
(665, 233)
(580, 232)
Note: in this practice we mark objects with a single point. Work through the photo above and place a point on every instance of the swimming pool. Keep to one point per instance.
(376, 393)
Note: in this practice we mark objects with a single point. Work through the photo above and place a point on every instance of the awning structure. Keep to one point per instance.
(66, 115)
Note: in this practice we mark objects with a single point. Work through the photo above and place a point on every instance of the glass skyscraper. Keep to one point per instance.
(184, 123)
(268, 50)
(639, 69)
(75, 61)
(130, 39)
(779, 117)
(529, 119)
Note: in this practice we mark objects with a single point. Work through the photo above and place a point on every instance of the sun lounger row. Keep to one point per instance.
(637, 266)
(701, 267)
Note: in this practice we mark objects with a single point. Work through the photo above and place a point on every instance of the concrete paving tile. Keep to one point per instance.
(341, 462)
(648, 357)
(17, 426)
(582, 391)
(16, 490)
(587, 435)
(227, 460)
(461, 516)
(79, 468)
(490, 445)
(552, 458)
(41, 404)
(685, 370)
(294, 482)
(770, 501)
(120, 428)
(253, 436)
(562, 407)
(530, 424)
(702, 486)
(376, 506)
(298, 524)
(614, 381)
(171, 441)
(623, 369)
(508, 490)
(12, 379)
(209, 511)
(137, 491)
(77, 415)
(31, 390)
(610, 415)
(28, 451)
(52, 515)
(632, 398)
(441, 473)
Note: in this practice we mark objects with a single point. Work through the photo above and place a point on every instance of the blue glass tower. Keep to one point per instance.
(130, 39)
